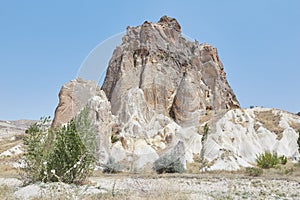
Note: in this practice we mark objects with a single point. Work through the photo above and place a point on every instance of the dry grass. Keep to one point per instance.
(7, 144)
(6, 192)
(6, 167)
(289, 171)
(193, 168)
(270, 121)
(8, 171)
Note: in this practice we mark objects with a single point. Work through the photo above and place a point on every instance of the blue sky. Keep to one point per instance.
(43, 44)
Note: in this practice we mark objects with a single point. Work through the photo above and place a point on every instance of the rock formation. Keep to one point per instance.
(161, 90)
(73, 96)
(178, 78)
(240, 135)
(100, 114)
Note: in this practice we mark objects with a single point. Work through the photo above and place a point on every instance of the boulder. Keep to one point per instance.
(172, 161)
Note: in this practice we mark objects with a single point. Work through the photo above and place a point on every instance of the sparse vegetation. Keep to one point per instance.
(282, 160)
(270, 120)
(254, 171)
(6, 192)
(203, 139)
(270, 160)
(66, 154)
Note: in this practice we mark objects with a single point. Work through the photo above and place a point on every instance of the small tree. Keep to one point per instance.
(69, 160)
(66, 154)
(37, 143)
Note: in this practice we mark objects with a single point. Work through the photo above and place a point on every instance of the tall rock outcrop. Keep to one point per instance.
(178, 78)
(161, 90)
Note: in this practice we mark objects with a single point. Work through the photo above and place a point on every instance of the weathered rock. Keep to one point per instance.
(100, 112)
(237, 138)
(73, 96)
(172, 161)
(136, 156)
(178, 77)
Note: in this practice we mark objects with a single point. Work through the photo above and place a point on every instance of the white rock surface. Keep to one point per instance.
(16, 150)
(236, 143)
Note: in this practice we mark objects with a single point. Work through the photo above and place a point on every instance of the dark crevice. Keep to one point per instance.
(171, 112)
(143, 53)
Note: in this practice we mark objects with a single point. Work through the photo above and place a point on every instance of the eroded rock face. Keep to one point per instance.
(240, 135)
(100, 114)
(177, 77)
(73, 96)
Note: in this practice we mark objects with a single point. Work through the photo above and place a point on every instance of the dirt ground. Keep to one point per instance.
(212, 185)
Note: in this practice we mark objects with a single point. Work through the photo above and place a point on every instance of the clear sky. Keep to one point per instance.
(43, 44)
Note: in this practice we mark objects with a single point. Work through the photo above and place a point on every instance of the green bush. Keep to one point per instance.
(282, 160)
(66, 154)
(205, 133)
(267, 160)
(254, 171)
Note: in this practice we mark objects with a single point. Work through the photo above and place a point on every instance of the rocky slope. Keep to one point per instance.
(12, 128)
(11, 134)
(161, 90)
